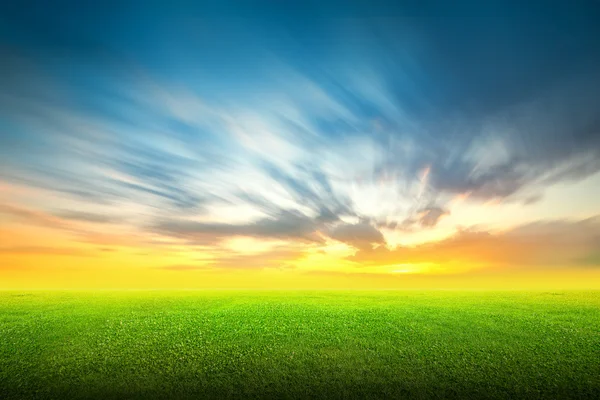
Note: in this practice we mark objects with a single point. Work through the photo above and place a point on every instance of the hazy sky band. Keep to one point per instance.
(222, 139)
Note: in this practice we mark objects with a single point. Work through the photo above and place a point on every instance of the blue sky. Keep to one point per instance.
(306, 125)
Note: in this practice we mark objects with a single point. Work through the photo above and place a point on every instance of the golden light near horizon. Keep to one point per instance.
(348, 154)
(247, 199)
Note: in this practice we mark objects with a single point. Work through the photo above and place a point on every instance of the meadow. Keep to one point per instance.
(299, 344)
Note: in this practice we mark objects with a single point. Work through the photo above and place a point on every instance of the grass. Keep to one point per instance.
(235, 344)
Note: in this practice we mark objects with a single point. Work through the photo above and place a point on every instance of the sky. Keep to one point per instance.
(274, 144)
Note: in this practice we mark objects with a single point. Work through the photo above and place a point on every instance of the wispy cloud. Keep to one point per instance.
(315, 131)
(559, 243)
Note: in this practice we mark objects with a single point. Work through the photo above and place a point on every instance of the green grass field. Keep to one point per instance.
(299, 344)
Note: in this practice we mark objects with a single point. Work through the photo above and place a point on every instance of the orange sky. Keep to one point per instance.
(41, 250)
(327, 149)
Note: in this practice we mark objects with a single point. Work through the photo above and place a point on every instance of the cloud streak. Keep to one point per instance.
(331, 128)
(548, 244)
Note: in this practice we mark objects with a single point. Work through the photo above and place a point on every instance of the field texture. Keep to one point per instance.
(338, 344)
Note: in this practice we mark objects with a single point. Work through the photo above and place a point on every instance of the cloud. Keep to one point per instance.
(561, 243)
(550, 137)
(361, 235)
(84, 216)
(429, 217)
(34, 217)
(302, 144)
(285, 225)
(311, 188)
(80, 230)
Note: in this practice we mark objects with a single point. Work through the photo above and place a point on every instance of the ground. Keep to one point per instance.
(299, 344)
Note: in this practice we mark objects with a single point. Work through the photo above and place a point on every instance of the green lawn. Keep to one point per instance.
(299, 344)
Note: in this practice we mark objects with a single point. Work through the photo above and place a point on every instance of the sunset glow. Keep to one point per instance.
(207, 149)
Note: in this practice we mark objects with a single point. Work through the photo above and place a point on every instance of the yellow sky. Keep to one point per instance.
(332, 153)
(42, 250)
